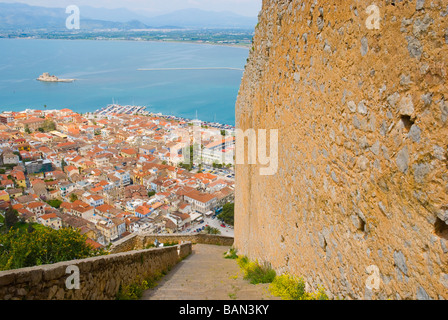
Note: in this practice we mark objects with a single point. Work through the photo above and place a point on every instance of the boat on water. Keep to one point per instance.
(118, 109)
(133, 110)
(46, 77)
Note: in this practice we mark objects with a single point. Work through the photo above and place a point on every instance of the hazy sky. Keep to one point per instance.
(243, 7)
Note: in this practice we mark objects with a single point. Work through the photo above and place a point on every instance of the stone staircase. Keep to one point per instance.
(206, 275)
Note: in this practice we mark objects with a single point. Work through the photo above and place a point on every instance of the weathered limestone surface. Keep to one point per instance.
(362, 116)
(100, 277)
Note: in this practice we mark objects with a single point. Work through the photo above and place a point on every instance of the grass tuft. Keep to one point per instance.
(134, 291)
(256, 273)
(231, 254)
(289, 287)
(285, 286)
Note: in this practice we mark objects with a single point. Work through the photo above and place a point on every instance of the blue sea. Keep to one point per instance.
(107, 71)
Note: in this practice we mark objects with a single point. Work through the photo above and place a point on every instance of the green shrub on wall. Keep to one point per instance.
(285, 286)
(289, 287)
(135, 290)
(255, 272)
(231, 254)
(21, 249)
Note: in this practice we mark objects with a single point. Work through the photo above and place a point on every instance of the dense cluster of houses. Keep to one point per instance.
(112, 175)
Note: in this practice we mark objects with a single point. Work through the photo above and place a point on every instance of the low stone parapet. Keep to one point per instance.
(142, 240)
(97, 278)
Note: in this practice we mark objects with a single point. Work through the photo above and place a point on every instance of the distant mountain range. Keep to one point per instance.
(17, 16)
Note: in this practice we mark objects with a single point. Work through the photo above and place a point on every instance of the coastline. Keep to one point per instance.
(149, 113)
(165, 116)
(240, 46)
(163, 104)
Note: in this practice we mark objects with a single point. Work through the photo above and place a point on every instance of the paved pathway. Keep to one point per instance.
(206, 275)
(214, 223)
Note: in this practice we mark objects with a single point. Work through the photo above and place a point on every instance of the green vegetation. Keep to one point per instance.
(25, 247)
(55, 203)
(228, 213)
(284, 286)
(211, 230)
(289, 287)
(135, 290)
(10, 221)
(231, 254)
(73, 197)
(256, 273)
(165, 244)
(24, 226)
(63, 164)
(188, 166)
(185, 166)
(217, 165)
(9, 166)
(151, 193)
(48, 126)
(170, 244)
(11, 218)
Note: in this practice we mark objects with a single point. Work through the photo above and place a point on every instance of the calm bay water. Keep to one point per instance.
(107, 70)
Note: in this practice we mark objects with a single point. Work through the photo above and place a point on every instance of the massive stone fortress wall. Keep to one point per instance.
(359, 96)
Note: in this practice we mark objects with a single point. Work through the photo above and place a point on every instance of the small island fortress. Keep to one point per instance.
(46, 77)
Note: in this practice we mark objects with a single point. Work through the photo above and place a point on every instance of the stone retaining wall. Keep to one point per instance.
(99, 278)
(140, 241)
(128, 243)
